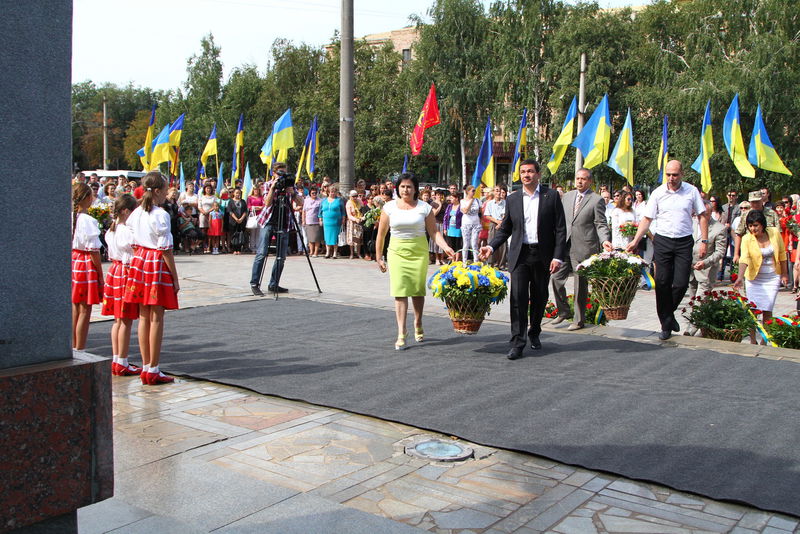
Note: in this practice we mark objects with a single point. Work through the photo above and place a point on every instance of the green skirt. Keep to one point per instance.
(408, 266)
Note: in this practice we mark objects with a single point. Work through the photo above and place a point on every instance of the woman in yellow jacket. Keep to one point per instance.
(762, 263)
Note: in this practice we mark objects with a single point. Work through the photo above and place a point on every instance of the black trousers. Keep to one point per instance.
(673, 259)
(529, 281)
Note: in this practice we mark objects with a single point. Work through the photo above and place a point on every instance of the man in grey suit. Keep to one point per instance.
(705, 268)
(587, 230)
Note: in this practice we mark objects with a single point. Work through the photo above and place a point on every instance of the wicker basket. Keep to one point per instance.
(734, 334)
(615, 295)
(465, 314)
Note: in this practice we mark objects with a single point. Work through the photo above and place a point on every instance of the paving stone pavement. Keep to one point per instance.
(201, 457)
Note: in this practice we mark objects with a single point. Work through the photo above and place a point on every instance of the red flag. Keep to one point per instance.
(429, 116)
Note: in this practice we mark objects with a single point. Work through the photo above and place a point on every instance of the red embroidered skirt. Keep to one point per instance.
(116, 280)
(150, 281)
(85, 279)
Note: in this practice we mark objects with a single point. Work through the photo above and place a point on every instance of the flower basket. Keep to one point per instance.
(723, 315)
(731, 334)
(465, 313)
(615, 295)
(468, 291)
(614, 279)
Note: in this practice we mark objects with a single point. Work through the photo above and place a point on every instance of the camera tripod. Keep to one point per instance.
(281, 235)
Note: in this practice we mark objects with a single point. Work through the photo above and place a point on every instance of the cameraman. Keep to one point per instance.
(270, 225)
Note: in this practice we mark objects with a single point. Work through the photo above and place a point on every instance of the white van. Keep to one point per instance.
(115, 174)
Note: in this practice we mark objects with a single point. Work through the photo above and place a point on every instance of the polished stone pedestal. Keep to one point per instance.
(56, 444)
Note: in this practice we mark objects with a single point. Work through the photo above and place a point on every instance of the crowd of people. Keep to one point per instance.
(753, 242)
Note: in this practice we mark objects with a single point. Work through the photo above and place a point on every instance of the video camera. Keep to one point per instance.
(283, 181)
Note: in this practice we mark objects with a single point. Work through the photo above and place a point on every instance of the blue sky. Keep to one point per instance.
(124, 41)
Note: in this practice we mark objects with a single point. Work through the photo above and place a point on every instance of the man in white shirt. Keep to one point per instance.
(670, 210)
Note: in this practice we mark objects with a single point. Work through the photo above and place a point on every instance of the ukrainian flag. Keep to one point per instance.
(762, 154)
(175, 132)
(621, 159)
(701, 164)
(148, 141)
(484, 167)
(210, 148)
(308, 154)
(283, 135)
(564, 138)
(732, 134)
(522, 144)
(266, 152)
(161, 152)
(595, 138)
(238, 151)
(663, 150)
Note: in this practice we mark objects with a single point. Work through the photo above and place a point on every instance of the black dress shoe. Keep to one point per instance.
(256, 290)
(664, 335)
(277, 289)
(514, 354)
(535, 343)
(674, 325)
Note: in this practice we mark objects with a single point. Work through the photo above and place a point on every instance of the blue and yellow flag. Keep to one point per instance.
(175, 132)
(210, 150)
(663, 151)
(734, 142)
(621, 159)
(161, 151)
(248, 181)
(308, 155)
(762, 154)
(564, 139)
(283, 135)
(701, 164)
(266, 153)
(484, 167)
(522, 144)
(220, 178)
(147, 149)
(238, 152)
(405, 164)
(182, 183)
(595, 138)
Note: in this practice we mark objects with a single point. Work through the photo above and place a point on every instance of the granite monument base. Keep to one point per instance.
(56, 441)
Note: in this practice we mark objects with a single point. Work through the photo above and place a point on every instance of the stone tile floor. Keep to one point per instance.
(202, 457)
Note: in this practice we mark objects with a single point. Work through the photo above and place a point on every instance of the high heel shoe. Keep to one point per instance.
(400, 344)
(419, 335)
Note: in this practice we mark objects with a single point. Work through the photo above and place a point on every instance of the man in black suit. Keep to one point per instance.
(536, 224)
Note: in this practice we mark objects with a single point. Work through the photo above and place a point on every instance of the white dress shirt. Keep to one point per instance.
(530, 208)
(671, 211)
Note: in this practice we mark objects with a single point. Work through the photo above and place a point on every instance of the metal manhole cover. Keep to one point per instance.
(440, 450)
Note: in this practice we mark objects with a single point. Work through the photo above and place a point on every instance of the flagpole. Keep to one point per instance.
(581, 109)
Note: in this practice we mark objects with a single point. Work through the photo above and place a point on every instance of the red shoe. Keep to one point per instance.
(159, 378)
(115, 368)
(131, 370)
(145, 378)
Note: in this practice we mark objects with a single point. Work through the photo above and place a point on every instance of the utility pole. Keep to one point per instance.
(105, 135)
(581, 108)
(346, 118)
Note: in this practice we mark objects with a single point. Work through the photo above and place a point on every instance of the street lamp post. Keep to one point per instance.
(346, 118)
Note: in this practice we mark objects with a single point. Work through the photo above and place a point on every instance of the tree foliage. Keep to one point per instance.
(669, 57)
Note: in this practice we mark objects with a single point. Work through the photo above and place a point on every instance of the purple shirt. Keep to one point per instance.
(311, 209)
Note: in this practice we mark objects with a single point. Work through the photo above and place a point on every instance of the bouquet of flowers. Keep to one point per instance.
(721, 314)
(734, 272)
(372, 217)
(593, 309)
(468, 290)
(793, 226)
(101, 214)
(784, 330)
(628, 229)
(614, 264)
(614, 277)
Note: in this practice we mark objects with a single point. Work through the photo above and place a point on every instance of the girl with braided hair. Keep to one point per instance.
(87, 273)
(153, 280)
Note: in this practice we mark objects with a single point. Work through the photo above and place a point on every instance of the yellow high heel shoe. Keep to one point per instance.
(400, 344)
(419, 335)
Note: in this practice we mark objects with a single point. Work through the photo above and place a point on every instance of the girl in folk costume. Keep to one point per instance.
(119, 239)
(87, 274)
(153, 280)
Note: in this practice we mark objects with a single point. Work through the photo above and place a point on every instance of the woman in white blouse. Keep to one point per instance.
(621, 214)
